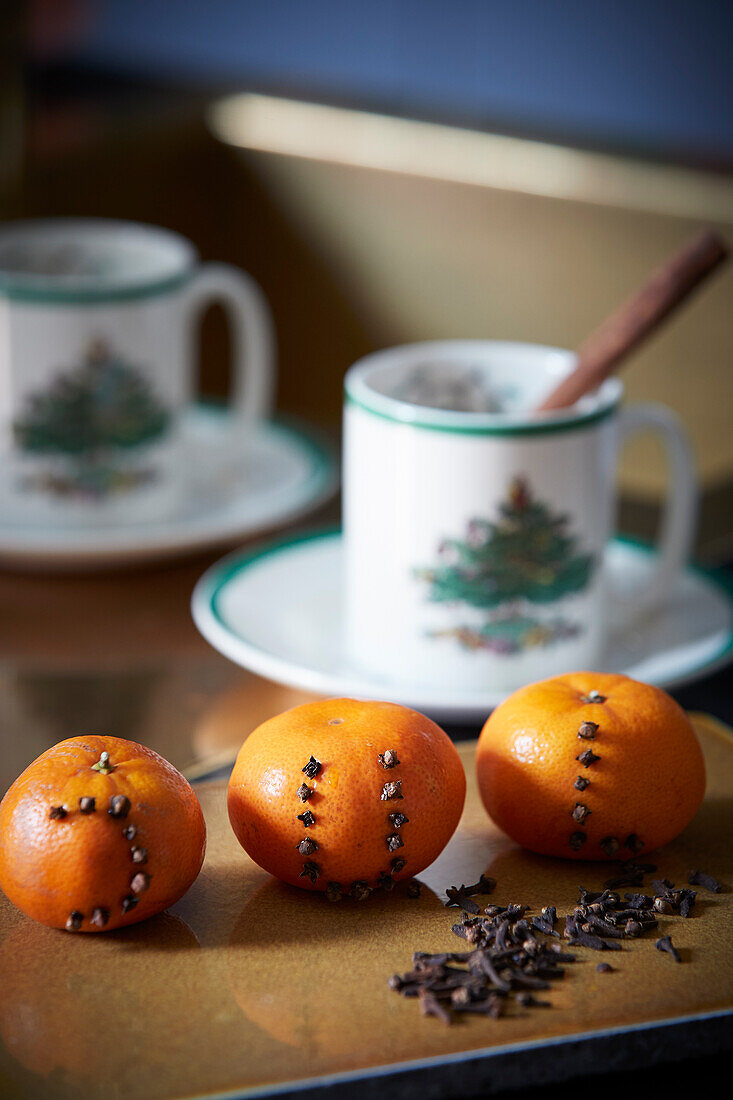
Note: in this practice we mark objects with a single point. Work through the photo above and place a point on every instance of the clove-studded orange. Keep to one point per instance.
(99, 833)
(344, 796)
(590, 765)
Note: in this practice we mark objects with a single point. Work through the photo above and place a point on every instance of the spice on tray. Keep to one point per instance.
(458, 895)
(665, 944)
(699, 878)
(509, 959)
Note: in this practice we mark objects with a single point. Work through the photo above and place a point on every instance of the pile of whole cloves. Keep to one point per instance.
(513, 957)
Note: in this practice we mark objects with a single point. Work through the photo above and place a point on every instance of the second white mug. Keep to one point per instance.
(474, 541)
(98, 327)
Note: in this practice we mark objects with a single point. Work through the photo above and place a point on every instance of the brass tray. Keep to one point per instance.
(251, 988)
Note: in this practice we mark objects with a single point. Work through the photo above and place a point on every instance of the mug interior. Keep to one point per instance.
(89, 256)
(505, 380)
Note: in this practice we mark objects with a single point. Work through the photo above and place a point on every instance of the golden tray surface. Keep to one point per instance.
(247, 986)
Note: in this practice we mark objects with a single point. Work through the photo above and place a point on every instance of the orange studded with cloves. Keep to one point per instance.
(590, 766)
(385, 792)
(99, 833)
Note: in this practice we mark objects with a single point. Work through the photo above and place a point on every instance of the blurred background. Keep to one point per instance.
(388, 171)
(402, 170)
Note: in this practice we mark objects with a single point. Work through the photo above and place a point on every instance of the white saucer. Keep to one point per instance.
(240, 485)
(278, 611)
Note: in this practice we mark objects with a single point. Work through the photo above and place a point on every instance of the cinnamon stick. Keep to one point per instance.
(638, 317)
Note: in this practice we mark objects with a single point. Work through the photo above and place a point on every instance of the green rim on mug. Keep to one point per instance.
(360, 393)
(177, 259)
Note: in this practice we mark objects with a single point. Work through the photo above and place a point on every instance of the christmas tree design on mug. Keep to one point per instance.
(86, 421)
(524, 558)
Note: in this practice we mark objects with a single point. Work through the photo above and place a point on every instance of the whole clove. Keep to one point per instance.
(392, 791)
(307, 818)
(699, 878)
(581, 783)
(87, 805)
(304, 792)
(587, 758)
(57, 813)
(665, 944)
(398, 820)
(360, 890)
(388, 758)
(588, 730)
(334, 891)
(414, 889)
(312, 768)
(307, 846)
(73, 924)
(457, 895)
(119, 806)
(398, 864)
(394, 841)
(310, 870)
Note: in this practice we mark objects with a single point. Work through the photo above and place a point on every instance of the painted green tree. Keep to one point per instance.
(526, 556)
(90, 416)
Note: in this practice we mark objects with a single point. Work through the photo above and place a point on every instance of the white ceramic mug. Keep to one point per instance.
(98, 325)
(474, 541)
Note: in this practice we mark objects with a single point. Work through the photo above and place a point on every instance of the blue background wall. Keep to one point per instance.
(651, 74)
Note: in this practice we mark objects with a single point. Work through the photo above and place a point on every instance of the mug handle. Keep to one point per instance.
(678, 522)
(253, 335)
